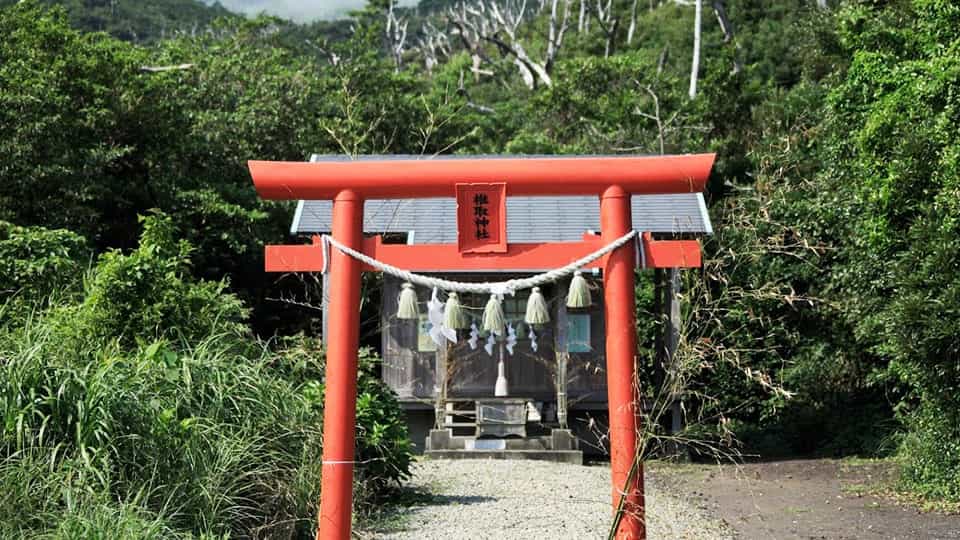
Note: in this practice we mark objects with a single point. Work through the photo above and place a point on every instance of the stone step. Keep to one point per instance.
(574, 457)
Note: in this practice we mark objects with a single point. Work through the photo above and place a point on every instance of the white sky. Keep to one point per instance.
(299, 10)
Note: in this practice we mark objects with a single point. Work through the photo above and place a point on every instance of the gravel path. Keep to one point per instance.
(505, 500)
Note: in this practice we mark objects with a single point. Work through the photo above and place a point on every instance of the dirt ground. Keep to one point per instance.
(805, 499)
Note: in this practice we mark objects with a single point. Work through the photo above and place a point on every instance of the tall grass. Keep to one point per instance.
(141, 407)
(193, 439)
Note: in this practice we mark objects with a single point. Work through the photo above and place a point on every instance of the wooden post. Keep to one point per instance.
(340, 405)
(440, 384)
(621, 350)
(673, 341)
(562, 354)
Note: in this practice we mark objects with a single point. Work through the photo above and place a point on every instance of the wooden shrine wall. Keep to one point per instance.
(410, 358)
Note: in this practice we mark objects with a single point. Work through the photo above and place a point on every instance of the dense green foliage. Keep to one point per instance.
(825, 320)
(901, 183)
(143, 405)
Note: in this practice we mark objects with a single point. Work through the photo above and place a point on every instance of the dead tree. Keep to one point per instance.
(609, 23)
(497, 24)
(470, 25)
(432, 44)
(396, 35)
(633, 22)
(719, 9)
(556, 32)
(583, 25)
(462, 90)
(695, 64)
(332, 56)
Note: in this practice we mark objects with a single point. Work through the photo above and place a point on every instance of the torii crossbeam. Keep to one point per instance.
(349, 183)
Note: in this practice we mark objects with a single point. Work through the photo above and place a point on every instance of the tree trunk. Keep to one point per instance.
(633, 22)
(695, 65)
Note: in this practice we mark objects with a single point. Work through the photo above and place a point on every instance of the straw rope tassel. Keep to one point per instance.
(493, 320)
(537, 311)
(453, 313)
(579, 295)
(407, 305)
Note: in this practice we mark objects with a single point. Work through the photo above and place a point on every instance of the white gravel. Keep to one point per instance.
(492, 499)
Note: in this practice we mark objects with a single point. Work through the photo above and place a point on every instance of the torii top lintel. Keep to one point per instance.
(421, 178)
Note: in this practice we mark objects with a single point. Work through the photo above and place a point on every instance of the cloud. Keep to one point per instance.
(299, 10)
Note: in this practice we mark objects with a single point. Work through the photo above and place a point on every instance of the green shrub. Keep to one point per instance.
(148, 293)
(383, 448)
(214, 441)
(932, 453)
(35, 263)
(383, 442)
(147, 410)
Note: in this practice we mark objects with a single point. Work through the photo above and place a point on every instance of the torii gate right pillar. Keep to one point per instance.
(621, 350)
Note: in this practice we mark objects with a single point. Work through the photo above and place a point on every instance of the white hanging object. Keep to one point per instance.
(579, 294)
(407, 303)
(532, 336)
(537, 310)
(435, 318)
(501, 389)
(493, 319)
(511, 340)
(449, 333)
(474, 336)
(438, 332)
(491, 341)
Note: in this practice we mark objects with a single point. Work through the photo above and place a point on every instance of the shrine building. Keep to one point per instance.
(554, 373)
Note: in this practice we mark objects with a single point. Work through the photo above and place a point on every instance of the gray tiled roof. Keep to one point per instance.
(529, 219)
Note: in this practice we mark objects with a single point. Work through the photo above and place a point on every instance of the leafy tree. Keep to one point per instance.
(899, 183)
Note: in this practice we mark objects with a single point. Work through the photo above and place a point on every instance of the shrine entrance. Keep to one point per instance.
(481, 187)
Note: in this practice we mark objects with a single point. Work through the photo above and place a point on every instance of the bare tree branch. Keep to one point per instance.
(633, 22)
(695, 64)
(491, 21)
(396, 35)
(159, 69)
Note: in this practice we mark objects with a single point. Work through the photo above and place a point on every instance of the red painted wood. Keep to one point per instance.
(621, 352)
(614, 179)
(293, 258)
(391, 179)
(340, 403)
(671, 253)
(447, 257)
(494, 210)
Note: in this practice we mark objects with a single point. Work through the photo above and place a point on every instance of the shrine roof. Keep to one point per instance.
(529, 219)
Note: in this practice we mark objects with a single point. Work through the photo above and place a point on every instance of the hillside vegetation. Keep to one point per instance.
(134, 20)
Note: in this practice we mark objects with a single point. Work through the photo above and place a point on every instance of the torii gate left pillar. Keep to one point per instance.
(340, 403)
(612, 179)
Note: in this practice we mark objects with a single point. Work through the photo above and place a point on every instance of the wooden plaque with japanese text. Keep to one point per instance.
(482, 218)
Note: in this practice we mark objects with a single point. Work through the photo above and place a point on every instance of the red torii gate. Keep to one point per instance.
(350, 183)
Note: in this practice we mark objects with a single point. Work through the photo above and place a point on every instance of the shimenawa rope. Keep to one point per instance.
(500, 288)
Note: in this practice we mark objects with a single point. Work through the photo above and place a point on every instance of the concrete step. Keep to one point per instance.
(574, 457)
